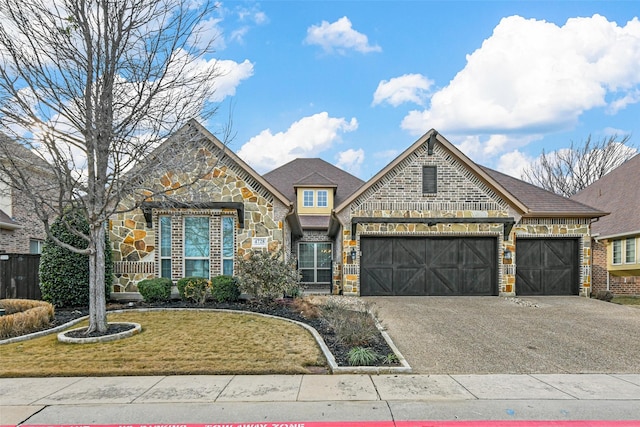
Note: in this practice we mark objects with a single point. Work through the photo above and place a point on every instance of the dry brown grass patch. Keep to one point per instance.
(24, 316)
(174, 343)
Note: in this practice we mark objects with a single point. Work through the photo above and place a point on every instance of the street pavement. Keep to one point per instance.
(297, 399)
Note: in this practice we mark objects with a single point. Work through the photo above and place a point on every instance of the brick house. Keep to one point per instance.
(21, 231)
(432, 222)
(616, 237)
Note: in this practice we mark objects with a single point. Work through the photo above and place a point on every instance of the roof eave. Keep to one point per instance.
(618, 235)
(565, 214)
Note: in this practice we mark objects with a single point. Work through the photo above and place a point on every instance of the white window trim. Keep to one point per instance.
(160, 257)
(326, 198)
(304, 198)
(315, 259)
(613, 252)
(233, 236)
(635, 251)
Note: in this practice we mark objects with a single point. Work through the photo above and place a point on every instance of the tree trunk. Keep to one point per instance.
(97, 299)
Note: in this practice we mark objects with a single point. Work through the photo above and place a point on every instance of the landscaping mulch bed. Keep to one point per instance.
(280, 308)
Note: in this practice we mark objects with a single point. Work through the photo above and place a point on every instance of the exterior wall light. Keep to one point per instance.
(353, 255)
(507, 254)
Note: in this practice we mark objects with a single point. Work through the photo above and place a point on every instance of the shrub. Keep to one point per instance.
(64, 275)
(604, 295)
(225, 288)
(267, 275)
(352, 328)
(193, 289)
(155, 290)
(362, 356)
(24, 316)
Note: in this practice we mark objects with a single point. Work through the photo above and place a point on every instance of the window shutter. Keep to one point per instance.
(429, 179)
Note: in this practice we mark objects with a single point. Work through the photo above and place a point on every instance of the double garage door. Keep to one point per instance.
(428, 266)
(464, 266)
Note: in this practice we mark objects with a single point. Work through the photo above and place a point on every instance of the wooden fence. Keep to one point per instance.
(19, 276)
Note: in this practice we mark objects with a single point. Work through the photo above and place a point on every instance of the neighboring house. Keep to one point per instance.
(616, 237)
(315, 187)
(432, 222)
(21, 231)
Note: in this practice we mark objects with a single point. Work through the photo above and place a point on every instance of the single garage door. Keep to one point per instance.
(547, 267)
(428, 266)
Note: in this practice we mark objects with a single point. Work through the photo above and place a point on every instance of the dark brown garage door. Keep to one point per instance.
(547, 267)
(428, 266)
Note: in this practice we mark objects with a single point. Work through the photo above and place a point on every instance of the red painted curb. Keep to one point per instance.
(481, 423)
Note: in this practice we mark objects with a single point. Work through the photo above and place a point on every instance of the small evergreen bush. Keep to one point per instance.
(155, 290)
(193, 289)
(604, 295)
(64, 275)
(267, 275)
(362, 356)
(225, 288)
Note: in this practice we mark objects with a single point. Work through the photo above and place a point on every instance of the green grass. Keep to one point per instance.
(173, 343)
(626, 300)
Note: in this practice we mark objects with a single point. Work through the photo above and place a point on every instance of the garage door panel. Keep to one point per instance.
(429, 266)
(547, 266)
(409, 281)
(380, 280)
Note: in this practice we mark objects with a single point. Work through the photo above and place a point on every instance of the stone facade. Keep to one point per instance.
(397, 197)
(135, 244)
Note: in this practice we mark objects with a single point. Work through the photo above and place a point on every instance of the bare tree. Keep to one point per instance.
(92, 87)
(569, 170)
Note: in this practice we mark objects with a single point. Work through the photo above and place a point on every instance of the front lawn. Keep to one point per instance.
(626, 300)
(174, 343)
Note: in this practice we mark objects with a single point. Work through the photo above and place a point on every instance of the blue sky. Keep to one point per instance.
(356, 83)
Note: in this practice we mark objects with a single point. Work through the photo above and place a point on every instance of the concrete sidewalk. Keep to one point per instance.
(299, 398)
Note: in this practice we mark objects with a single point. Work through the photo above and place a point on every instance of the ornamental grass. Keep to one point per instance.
(23, 316)
(175, 342)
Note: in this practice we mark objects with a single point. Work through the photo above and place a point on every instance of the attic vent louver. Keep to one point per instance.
(431, 143)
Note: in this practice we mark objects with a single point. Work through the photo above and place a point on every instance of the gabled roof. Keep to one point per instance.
(528, 200)
(542, 203)
(307, 170)
(315, 179)
(617, 192)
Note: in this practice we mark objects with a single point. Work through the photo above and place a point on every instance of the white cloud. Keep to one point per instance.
(533, 76)
(351, 160)
(339, 37)
(407, 88)
(209, 35)
(231, 74)
(513, 163)
(305, 138)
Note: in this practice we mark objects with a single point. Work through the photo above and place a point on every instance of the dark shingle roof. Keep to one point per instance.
(301, 171)
(540, 201)
(617, 192)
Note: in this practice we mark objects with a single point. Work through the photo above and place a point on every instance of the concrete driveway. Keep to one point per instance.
(494, 335)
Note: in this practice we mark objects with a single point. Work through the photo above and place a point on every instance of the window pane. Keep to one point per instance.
(323, 255)
(196, 236)
(630, 256)
(35, 246)
(227, 237)
(306, 257)
(322, 199)
(165, 236)
(227, 267)
(165, 268)
(617, 251)
(308, 198)
(196, 267)
(324, 276)
(307, 276)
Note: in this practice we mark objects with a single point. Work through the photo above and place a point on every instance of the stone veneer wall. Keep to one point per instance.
(134, 245)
